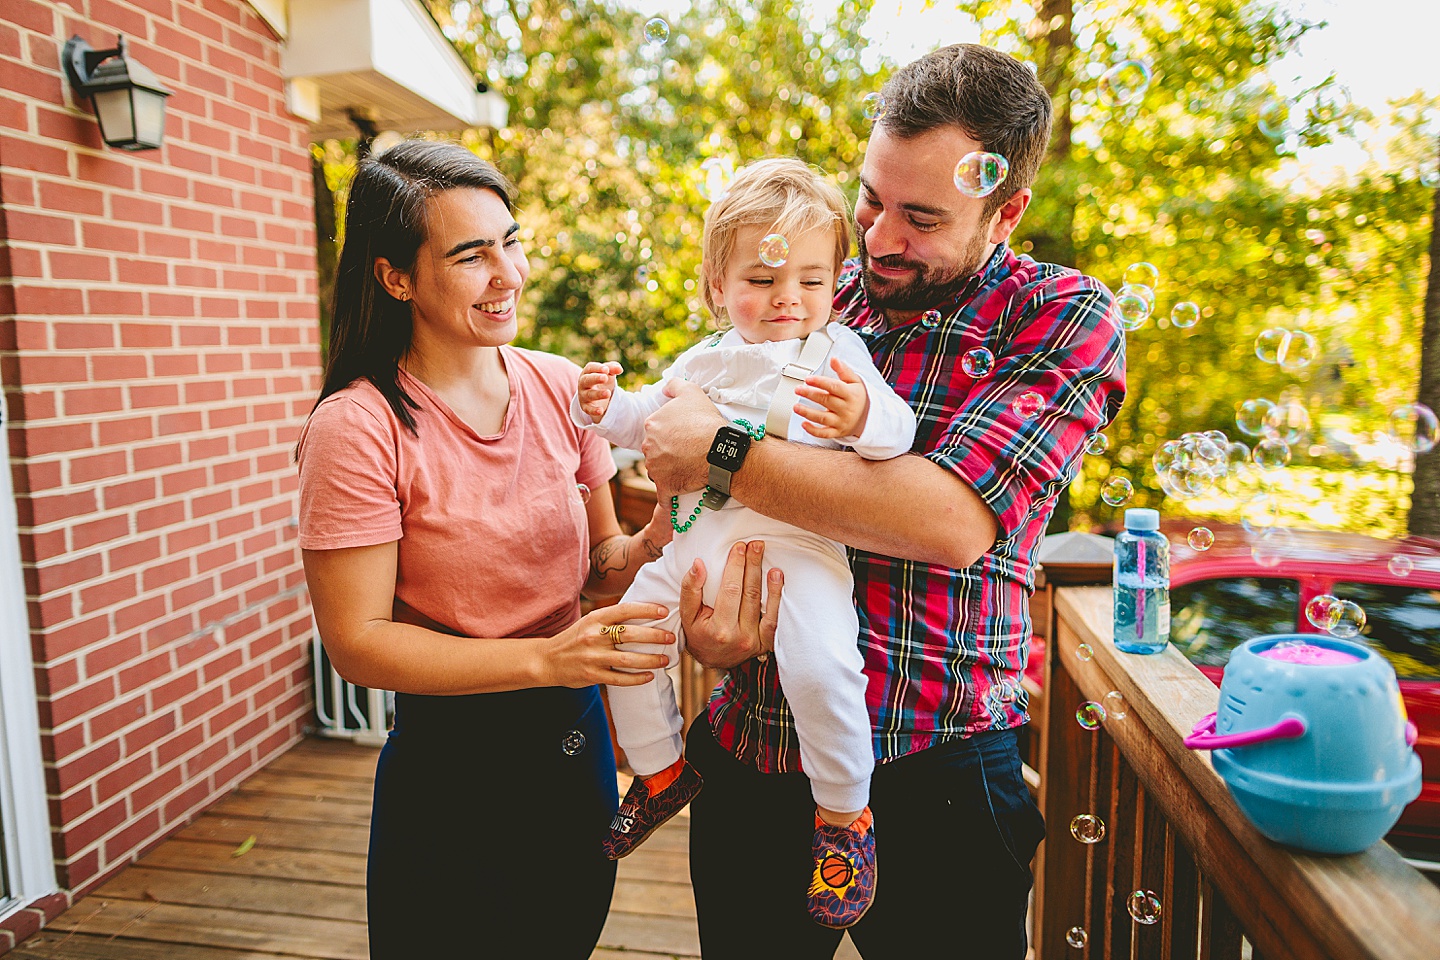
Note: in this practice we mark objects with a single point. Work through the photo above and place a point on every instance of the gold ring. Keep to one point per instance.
(613, 631)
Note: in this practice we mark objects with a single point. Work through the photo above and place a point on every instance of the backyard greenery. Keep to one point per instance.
(608, 133)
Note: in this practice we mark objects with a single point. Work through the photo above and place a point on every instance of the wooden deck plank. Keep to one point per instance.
(308, 810)
(295, 898)
(212, 927)
(345, 869)
(279, 834)
(308, 786)
(51, 945)
(345, 765)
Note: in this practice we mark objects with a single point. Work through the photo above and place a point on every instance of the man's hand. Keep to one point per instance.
(677, 439)
(597, 386)
(844, 403)
(738, 627)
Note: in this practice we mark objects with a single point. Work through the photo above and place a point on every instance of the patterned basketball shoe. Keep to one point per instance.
(640, 813)
(843, 884)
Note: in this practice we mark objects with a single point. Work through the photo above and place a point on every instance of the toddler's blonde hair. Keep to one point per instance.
(782, 193)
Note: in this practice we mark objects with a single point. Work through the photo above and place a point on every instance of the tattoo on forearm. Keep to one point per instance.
(651, 551)
(609, 555)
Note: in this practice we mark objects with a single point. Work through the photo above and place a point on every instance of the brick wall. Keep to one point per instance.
(158, 351)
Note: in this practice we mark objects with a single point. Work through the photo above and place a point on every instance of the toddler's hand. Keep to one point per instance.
(845, 403)
(597, 386)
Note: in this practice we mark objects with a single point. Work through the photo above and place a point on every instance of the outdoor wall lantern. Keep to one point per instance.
(129, 99)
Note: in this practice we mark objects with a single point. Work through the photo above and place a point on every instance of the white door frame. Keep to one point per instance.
(29, 860)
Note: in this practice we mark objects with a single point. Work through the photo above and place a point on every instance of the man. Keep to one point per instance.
(943, 544)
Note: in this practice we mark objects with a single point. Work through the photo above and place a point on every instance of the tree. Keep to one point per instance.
(1425, 502)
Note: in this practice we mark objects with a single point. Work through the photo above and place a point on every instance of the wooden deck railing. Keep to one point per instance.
(1173, 829)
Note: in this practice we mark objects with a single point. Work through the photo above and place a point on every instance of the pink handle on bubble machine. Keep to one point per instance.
(1204, 737)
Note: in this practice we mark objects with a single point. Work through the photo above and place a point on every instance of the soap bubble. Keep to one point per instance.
(1251, 416)
(1028, 405)
(584, 492)
(1347, 619)
(1414, 427)
(1269, 344)
(1097, 444)
(1125, 82)
(1430, 174)
(1115, 705)
(1087, 828)
(979, 174)
(718, 172)
(1200, 539)
(656, 30)
(1117, 491)
(1260, 512)
(1318, 610)
(1185, 314)
(1272, 545)
(1142, 274)
(573, 743)
(1288, 421)
(1271, 454)
(774, 250)
(1297, 351)
(1077, 937)
(1400, 566)
(1085, 652)
(1274, 120)
(1144, 907)
(1237, 453)
(1090, 715)
(1134, 308)
(977, 363)
(930, 319)
(874, 106)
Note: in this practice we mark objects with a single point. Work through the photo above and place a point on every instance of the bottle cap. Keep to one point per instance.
(1142, 518)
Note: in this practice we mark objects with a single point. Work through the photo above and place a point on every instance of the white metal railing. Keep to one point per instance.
(346, 710)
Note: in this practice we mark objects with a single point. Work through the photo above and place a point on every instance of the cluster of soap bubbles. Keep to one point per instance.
(1339, 618)
(774, 250)
(1290, 350)
(1191, 466)
(1124, 83)
(979, 174)
(1135, 300)
(1278, 427)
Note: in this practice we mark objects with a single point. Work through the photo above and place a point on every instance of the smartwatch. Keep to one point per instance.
(727, 452)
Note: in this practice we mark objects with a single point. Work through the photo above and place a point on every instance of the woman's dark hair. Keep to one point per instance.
(991, 96)
(386, 217)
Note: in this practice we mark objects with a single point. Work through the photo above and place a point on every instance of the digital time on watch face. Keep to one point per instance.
(728, 446)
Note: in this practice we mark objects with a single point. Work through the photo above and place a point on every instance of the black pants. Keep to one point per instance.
(485, 839)
(955, 830)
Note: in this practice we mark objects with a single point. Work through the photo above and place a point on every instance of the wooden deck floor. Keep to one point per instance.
(298, 891)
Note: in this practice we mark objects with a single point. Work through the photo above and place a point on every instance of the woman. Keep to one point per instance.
(447, 533)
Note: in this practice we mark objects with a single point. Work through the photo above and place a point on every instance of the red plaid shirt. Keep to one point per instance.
(938, 641)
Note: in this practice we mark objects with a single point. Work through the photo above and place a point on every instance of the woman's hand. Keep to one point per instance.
(583, 655)
(738, 627)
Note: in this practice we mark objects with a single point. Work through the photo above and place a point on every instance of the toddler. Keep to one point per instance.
(773, 246)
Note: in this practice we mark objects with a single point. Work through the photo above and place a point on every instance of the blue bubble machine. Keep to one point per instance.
(1318, 755)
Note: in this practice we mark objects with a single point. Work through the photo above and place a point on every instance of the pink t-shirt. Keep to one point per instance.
(493, 536)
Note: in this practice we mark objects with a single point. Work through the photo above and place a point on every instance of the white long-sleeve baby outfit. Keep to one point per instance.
(816, 648)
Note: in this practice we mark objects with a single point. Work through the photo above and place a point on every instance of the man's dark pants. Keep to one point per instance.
(955, 830)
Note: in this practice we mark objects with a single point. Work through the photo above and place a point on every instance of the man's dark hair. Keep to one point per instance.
(386, 217)
(994, 98)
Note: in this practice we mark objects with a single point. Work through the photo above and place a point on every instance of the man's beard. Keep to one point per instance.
(928, 287)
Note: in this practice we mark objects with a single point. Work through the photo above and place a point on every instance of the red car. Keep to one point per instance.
(1227, 595)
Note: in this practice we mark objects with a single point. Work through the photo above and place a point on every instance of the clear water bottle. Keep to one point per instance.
(1142, 584)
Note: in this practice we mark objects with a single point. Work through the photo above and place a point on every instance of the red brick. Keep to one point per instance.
(151, 792)
(58, 576)
(129, 430)
(171, 305)
(162, 243)
(191, 275)
(79, 873)
(160, 516)
(108, 721)
(205, 391)
(115, 303)
(219, 308)
(162, 575)
(155, 457)
(138, 614)
(37, 227)
(40, 510)
(57, 438)
(71, 335)
(136, 209)
(177, 41)
(183, 158)
(178, 365)
(188, 801)
(125, 842)
(71, 198)
(188, 422)
(147, 335)
(134, 554)
(123, 366)
(30, 14)
(111, 655)
(120, 19)
(92, 828)
(109, 236)
(91, 532)
(77, 702)
(78, 266)
(99, 467)
(143, 396)
(159, 183)
(179, 745)
(164, 694)
(106, 169)
(128, 493)
(149, 272)
(80, 129)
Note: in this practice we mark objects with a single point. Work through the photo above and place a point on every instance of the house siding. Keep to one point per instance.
(159, 352)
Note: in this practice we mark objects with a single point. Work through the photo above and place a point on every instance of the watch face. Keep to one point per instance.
(729, 448)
